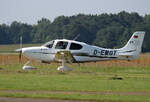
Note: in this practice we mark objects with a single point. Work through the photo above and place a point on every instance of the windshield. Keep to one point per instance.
(49, 44)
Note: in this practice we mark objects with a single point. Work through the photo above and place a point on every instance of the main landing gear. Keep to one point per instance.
(63, 67)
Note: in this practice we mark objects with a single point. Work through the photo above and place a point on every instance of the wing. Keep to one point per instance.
(64, 55)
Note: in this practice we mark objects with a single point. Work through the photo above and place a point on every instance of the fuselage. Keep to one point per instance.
(82, 52)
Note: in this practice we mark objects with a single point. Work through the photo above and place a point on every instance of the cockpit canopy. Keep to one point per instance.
(63, 44)
(49, 44)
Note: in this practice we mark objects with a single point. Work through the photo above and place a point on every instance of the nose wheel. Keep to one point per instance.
(26, 67)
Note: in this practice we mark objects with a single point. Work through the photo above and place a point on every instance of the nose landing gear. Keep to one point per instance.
(26, 67)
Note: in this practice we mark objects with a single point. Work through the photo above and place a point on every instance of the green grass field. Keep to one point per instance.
(87, 82)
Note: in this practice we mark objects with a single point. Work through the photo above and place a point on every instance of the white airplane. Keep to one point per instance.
(62, 50)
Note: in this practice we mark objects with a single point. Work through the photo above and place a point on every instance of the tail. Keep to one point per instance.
(133, 47)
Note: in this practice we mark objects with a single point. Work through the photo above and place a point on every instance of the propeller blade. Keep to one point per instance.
(20, 53)
(20, 49)
(20, 56)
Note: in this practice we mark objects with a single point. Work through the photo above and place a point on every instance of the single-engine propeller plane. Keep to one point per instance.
(70, 51)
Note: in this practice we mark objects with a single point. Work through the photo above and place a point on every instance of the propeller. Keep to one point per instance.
(20, 49)
(20, 52)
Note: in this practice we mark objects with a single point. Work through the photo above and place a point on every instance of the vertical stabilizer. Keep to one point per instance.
(133, 47)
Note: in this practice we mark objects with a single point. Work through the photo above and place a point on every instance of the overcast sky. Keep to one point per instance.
(30, 11)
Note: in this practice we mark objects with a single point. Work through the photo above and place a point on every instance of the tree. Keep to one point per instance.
(41, 31)
(4, 34)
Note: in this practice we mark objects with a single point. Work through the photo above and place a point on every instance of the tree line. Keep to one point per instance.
(105, 30)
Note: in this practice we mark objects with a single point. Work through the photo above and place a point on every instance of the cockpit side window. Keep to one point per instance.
(49, 44)
(61, 45)
(75, 46)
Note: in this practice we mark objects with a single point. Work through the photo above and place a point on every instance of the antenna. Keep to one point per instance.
(76, 36)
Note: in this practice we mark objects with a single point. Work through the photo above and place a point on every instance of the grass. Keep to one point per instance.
(89, 77)
(72, 83)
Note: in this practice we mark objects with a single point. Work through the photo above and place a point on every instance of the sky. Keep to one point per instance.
(30, 11)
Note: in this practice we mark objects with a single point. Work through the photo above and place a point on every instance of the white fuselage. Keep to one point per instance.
(75, 51)
(85, 54)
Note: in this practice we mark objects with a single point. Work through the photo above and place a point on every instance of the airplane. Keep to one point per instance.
(70, 51)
